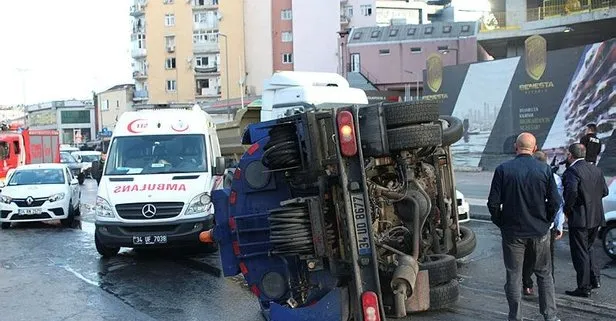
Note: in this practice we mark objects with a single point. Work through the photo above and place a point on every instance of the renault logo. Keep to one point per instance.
(148, 210)
(29, 200)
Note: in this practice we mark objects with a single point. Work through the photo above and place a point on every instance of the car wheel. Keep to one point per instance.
(6, 225)
(103, 250)
(467, 243)
(81, 178)
(609, 241)
(441, 268)
(68, 222)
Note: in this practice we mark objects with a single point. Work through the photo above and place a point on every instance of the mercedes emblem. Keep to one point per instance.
(148, 210)
(29, 200)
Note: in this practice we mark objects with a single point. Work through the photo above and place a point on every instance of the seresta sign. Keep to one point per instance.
(149, 187)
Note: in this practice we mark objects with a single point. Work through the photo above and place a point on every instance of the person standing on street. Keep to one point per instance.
(592, 143)
(97, 166)
(523, 201)
(584, 188)
(556, 232)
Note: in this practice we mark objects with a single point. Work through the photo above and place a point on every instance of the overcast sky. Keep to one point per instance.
(68, 47)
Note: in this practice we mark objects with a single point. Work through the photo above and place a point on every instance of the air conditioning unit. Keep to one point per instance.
(171, 48)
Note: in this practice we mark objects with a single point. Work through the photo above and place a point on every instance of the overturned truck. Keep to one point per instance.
(345, 214)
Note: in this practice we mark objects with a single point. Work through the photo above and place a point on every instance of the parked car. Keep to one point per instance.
(608, 233)
(464, 212)
(40, 192)
(74, 166)
(86, 158)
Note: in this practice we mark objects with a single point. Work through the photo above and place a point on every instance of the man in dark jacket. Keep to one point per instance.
(97, 167)
(523, 201)
(592, 143)
(584, 187)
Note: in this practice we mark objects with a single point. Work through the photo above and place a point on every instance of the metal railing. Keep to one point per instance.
(497, 21)
(369, 76)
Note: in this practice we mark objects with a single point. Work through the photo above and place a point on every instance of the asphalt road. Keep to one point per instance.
(51, 273)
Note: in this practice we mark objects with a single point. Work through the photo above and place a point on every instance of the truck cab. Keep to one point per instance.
(156, 182)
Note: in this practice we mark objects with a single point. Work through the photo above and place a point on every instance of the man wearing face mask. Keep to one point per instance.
(584, 187)
(523, 201)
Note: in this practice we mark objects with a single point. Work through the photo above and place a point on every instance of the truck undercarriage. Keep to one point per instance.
(345, 214)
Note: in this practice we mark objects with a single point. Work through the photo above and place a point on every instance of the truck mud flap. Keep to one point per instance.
(333, 306)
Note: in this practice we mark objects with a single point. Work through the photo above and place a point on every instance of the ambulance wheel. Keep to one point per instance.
(103, 250)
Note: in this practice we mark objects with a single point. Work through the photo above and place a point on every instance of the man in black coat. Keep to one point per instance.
(584, 187)
(523, 201)
(592, 143)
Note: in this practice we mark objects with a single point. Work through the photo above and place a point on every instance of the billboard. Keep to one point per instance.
(552, 94)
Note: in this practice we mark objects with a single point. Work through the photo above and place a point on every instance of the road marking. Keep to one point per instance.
(80, 276)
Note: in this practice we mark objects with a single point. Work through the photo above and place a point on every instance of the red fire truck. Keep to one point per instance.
(25, 146)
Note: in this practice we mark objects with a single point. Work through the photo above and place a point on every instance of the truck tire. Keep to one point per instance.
(414, 136)
(467, 243)
(442, 296)
(453, 132)
(103, 250)
(441, 268)
(409, 113)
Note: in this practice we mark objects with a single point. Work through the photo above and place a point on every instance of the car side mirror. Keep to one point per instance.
(2, 184)
(74, 181)
(219, 169)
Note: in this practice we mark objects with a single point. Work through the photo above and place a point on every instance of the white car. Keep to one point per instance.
(608, 233)
(464, 212)
(86, 158)
(39, 192)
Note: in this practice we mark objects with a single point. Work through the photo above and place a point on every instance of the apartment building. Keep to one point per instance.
(75, 119)
(176, 52)
(369, 13)
(112, 103)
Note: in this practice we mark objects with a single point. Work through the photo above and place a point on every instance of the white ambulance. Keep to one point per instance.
(156, 182)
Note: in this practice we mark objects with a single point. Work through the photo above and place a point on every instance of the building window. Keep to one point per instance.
(411, 32)
(439, 48)
(105, 105)
(356, 35)
(428, 30)
(117, 104)
(139, 39)
(75, 116)
(375, 34)
(286, 14)
(168, 1)
(348, 11)
(446, 29)
(201, 84)
(393, 32)
(416, 50)
(287, 58)
(287, 36)
(171, 85)
(383, 52)
(466, 28)
(366, 9)
(170, 42)
(202, 61)
(170, 63)
(209, 19)
(203, 36)
(170, 20)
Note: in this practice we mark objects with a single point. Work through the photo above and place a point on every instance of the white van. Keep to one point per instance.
(156, 182)
(288, 92)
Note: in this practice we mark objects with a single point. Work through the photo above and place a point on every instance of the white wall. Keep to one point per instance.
(258, 43)
(315, 35)
(358, 20)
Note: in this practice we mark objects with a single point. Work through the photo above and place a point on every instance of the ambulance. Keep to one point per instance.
(157, 180)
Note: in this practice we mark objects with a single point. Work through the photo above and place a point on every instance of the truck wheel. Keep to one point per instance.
(441, 268)
(6, 225)
(444, 295)
(409, 113)
(467, 243)
(453, 132)
(103, 250)
(414, 136)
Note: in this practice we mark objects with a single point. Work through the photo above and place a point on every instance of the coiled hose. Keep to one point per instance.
(290, 231)
(282, 150)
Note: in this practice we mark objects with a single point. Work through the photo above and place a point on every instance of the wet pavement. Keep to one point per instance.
(51, 273)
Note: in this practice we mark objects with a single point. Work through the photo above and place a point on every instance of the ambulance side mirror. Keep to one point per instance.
(219, 168)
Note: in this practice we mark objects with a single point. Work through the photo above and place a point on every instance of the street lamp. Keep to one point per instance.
(227, 71)
(416, 82)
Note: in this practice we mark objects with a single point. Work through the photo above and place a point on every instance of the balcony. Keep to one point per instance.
(137, 10)
(205, 4)
(344, 20)
(140, 75)
(206, 47)
(209, 69)
(137, 53)
(208, 93)
(205, 25)
(140, 95)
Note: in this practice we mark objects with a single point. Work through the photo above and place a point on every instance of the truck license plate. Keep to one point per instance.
(30, 211)
(150, 239)
(361, 223)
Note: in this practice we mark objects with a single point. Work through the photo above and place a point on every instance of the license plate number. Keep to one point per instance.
(361, 224)
(30, 211)
(149, 240)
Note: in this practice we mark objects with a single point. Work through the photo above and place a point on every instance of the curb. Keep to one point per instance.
(470, 169)
(481, 217)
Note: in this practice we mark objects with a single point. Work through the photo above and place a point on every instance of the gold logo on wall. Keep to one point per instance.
(434, 66)
(535, 56)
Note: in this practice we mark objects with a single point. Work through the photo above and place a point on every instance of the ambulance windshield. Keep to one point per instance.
(157, 154)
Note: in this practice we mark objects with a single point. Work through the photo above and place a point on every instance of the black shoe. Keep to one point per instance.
(595, 283)
(528, 292)
(579, 293)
